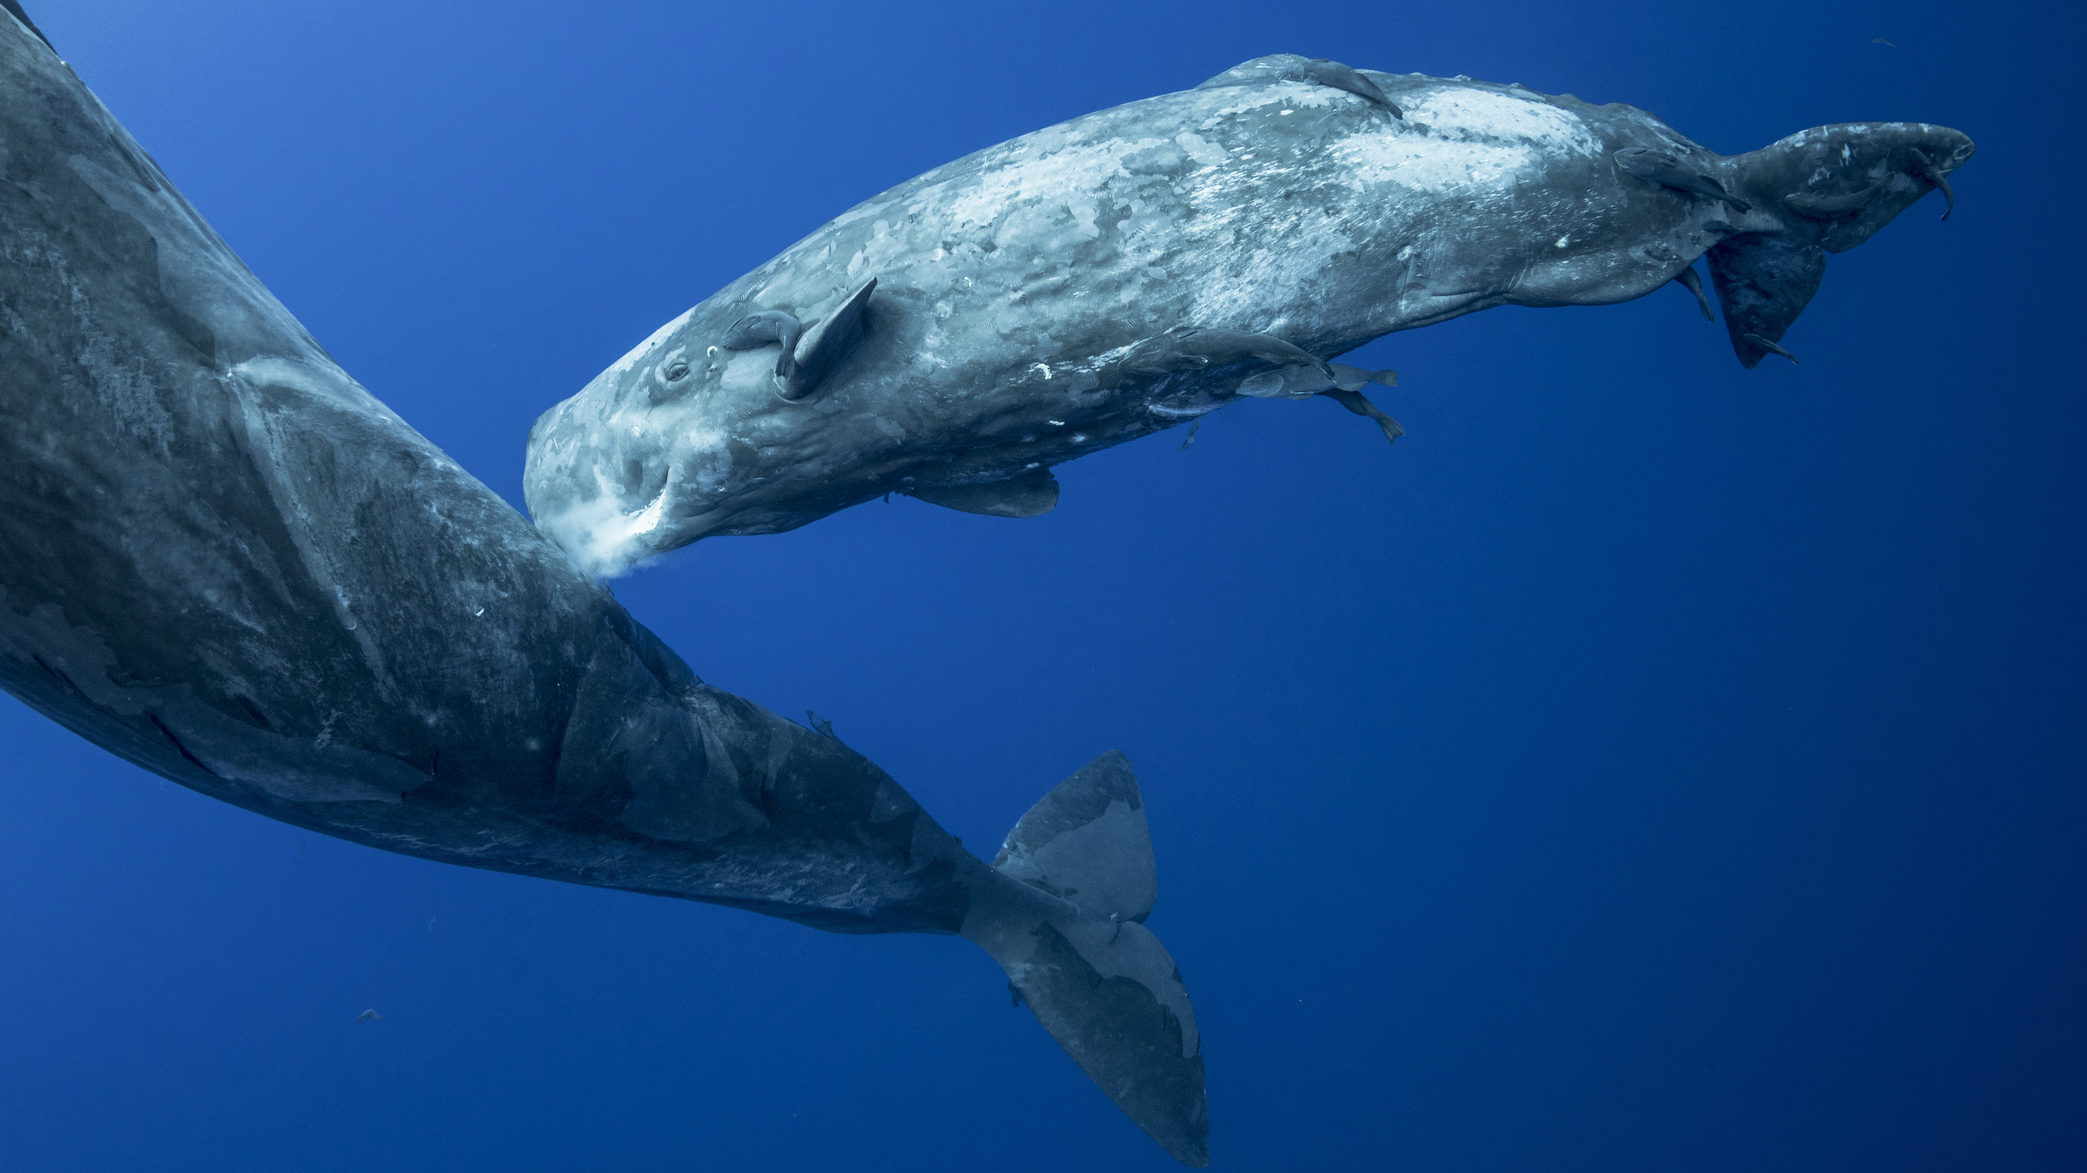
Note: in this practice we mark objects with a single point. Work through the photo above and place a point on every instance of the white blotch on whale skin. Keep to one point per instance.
(1029, 178)
(1475, 114)
(601, 538)
(1202, 150)
(1474, 137)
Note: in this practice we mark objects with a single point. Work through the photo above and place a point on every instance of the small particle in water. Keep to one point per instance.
(367, 1016)
(1883, 42)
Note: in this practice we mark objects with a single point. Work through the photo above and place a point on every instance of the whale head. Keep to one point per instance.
(1842, 183)
(701, 431)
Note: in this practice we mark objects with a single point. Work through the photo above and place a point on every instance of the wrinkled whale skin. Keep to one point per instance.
(227, 561)
(1025, 291)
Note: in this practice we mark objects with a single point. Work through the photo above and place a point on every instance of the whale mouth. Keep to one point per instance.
(604, 538)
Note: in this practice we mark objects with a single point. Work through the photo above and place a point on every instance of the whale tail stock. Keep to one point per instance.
(1819, 191)
(1064, 919)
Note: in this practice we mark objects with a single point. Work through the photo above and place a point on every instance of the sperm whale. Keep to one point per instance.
(224, 560)
(958, 337)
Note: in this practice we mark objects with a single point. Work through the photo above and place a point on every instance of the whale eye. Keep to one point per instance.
(676, 371)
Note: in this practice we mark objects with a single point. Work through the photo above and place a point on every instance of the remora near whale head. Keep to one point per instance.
(958, 336)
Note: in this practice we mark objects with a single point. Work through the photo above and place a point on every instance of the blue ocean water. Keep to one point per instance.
(1647, 764)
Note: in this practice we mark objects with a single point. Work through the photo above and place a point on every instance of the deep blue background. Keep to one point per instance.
(1646, 765)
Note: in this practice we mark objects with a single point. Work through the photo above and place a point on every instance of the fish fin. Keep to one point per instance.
(1764, 282)
(1354, 400)
(1349, 378)
(1813, 205)
(1669, 170)
(1316, 71)
(1189, 349)
(1096, 978)
(1030, 494)
(766, 328)
(824, 346)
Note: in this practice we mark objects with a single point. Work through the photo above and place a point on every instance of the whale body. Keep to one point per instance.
(1136, 268)
(225, 561)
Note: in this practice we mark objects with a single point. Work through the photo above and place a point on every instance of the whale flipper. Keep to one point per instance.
(1315, 70)
(825, 345)
(1764, 282)
(1092, 973)
(1688, 280)
(1031, 494)
(1927, 169)
(808, 356)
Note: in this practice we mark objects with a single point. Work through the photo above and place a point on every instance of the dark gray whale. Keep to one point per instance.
(224, 560)
(1136, 268)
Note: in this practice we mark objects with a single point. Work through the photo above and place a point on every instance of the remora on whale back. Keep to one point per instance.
(958, 335)
(224, 560)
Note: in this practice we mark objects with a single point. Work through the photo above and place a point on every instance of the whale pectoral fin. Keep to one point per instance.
(1316, 71)
(1764, 283)
(1926, 168)
(1031, 494)
(827, 344)
(1354, 400)
(1688, 280)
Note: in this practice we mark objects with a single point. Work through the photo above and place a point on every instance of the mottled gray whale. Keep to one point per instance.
(959, 335)
(224, 560)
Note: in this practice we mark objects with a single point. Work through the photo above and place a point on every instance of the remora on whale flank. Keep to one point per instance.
(958, 336)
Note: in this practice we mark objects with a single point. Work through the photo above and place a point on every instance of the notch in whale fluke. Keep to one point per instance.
(1075, 948)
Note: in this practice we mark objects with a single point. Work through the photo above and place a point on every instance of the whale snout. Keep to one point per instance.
(1839, 184)
(596, 491)
(1951, 149)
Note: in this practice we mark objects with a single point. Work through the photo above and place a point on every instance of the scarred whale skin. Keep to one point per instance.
(1057, 293)
(224, 560)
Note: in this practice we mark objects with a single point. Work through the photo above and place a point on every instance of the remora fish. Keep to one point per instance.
(225, 561)
(959, 335)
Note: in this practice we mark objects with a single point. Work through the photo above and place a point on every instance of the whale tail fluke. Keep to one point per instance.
(1083, 960)
(1823, 190)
